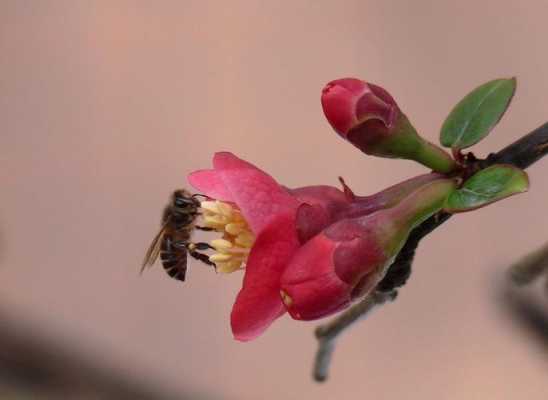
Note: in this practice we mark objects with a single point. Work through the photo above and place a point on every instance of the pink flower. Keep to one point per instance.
(312, 252)
(273, 214)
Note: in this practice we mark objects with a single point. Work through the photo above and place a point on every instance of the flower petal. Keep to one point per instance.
(318, 298)
(257, 194)
(209, 182)
(348, 102)
(254, 311)
(330, 198)
(259, 303)
(310, 283)
(310, 220)
(331, 269)
(226, 160)
(320, 206)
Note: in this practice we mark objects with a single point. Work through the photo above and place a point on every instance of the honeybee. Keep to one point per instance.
(172, 244)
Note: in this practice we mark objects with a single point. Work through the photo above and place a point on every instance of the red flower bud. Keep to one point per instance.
(350, 102)
(349, 258)
(368, 117)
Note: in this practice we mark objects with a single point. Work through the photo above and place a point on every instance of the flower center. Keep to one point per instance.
(237, 238)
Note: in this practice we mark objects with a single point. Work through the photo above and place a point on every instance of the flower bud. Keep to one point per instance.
(368, 117)
(347, 260)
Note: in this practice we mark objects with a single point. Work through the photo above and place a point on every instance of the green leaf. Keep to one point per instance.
(474, 116)
(487, 186)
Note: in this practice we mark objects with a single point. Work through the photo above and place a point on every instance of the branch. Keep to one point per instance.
(525, 303)
(529, 268)
(522, 153)
(326, 334)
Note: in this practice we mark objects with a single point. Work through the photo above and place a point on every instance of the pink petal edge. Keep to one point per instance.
(259, 303)
(210, 183)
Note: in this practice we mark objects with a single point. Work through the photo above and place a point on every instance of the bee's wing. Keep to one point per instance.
(154, 249)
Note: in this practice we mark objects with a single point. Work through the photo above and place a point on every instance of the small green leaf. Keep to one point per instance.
(487, 186)
(474, 116)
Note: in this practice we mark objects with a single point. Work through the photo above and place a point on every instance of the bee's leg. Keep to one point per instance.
(201, 257)
(204, 228)
(199, 246)
(192, 246)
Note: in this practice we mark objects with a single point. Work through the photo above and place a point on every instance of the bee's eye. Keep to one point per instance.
(183, 202)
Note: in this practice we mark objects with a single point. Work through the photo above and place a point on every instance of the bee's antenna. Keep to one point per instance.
(201, 195)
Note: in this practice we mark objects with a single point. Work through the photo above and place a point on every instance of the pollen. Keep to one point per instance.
(232, 249)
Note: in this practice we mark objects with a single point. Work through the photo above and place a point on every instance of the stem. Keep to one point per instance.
(436, 158)
(522, 153)
(326, 334)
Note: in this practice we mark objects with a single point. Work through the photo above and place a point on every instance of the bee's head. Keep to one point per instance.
(182, 209)
(184, 200)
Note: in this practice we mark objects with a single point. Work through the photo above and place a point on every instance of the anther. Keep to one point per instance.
(221, 244)
(234, 228)
(219, 257)
(229, 266)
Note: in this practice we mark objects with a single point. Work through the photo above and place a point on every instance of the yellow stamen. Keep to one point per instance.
(225, 209)
(214, 221)
(237, 238)
(245, 239)
(237, 217)
(209, 206)
(221, 244)
(235, 228)
(229, 266)
(220, 257)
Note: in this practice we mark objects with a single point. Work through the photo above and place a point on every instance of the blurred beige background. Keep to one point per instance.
(105, 106)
